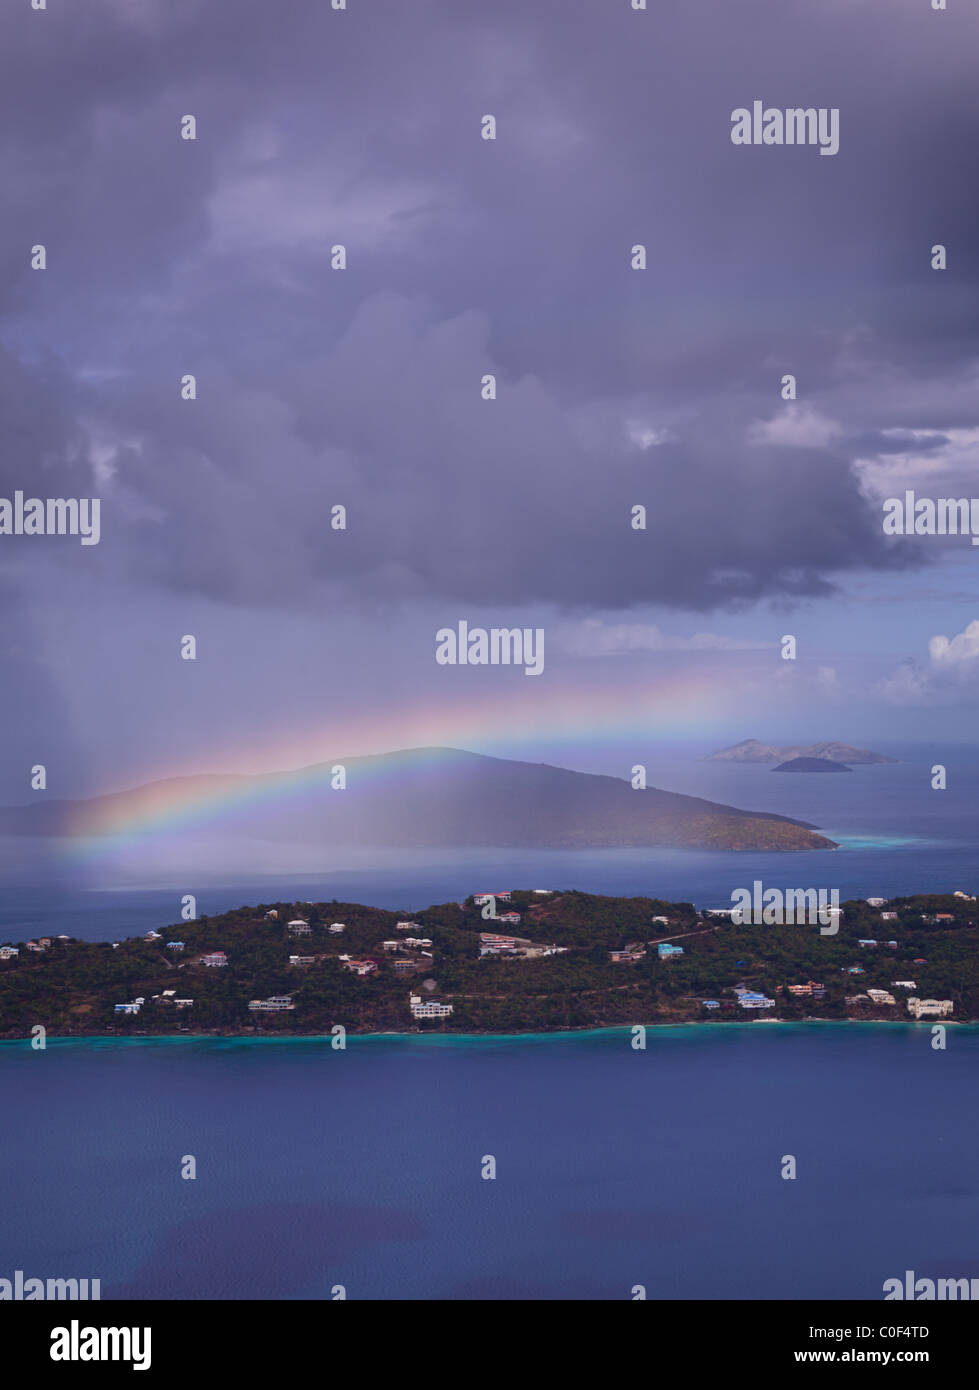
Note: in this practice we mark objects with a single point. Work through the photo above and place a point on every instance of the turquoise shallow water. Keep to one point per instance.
(614, 1167)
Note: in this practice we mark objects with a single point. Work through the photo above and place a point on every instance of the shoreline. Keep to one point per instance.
(418, 1035)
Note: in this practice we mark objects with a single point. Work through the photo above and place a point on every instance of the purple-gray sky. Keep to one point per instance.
(467, 257)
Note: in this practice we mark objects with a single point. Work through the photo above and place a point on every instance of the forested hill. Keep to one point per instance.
(561, 974)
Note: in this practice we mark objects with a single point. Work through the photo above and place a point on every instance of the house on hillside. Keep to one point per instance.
(929, 1008)
(428, 1008)
(880, 996)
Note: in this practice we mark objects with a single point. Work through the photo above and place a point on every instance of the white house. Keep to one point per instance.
(361, 967)
(277, 1004)
(880, 996)
(929, 1008)
(428, 1008)
(300, 927)
(337, 927)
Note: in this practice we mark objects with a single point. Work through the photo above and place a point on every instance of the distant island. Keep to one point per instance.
(424, 798)
(751, 751)
(812, 765)
(541, 961)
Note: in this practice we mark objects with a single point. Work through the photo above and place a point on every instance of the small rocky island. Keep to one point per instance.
(750, 750)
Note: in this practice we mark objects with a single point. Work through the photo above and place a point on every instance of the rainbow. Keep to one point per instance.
(511, 725)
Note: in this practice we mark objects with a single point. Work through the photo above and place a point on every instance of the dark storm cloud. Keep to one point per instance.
(468, 257)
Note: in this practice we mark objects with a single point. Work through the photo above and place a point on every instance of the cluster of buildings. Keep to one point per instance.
(8, 952)
(512, 919)
(812, 989)
(664, 949)
(168, 996)
(215, 959)
(493, 944)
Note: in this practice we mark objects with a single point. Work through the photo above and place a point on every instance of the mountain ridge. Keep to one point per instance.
(425, 797)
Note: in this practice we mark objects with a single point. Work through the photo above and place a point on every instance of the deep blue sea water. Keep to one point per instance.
(614, 1167)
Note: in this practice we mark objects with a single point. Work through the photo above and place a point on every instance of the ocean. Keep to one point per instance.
(896, 835)
(318, 1169)
(363, 1169)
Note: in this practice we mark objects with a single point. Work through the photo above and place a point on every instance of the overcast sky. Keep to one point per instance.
(468, 257)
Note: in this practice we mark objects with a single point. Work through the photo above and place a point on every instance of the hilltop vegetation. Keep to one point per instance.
(72, 987)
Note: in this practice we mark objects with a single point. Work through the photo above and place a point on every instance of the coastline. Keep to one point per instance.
(446, 1037)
